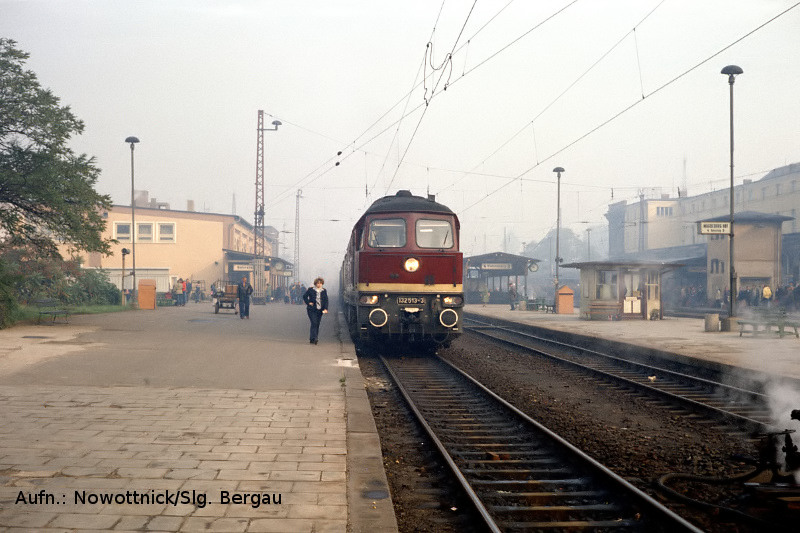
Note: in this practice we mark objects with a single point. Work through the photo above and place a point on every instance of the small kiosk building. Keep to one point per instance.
(621, 290)
(491, 274)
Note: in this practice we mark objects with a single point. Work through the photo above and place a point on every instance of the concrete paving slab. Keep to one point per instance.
(179, 419)
(769, 354)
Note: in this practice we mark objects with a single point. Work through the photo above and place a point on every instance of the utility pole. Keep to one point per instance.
(297, 235)
(641, 220)
(258, 221)
(588, 244)
(259, 280)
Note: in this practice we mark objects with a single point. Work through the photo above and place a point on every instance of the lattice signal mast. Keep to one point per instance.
(258, 219)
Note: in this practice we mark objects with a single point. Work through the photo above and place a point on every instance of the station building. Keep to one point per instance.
(766, 230)
(203, 247)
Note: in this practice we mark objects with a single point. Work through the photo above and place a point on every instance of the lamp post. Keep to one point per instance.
(731, 71)
(558, 171)
(125, 252)
(588, 244)
(133, 141)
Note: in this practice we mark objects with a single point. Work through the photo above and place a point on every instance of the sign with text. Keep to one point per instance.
(714, 228)
(242, 268)
(496, 266)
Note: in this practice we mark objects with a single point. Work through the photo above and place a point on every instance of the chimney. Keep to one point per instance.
(190, 205)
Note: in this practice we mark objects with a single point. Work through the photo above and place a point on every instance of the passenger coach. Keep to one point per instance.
(401, 280)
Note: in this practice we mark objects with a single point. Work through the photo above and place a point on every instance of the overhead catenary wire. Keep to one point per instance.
(634, 104)
(532, 121)
(356, 146)
(448, 60)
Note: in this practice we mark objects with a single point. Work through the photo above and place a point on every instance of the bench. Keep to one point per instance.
(604, 310)
(764, 322)
(52, 308)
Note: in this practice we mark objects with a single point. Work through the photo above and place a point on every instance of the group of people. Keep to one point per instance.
(181, 290)
(315, 299)
(296, 292)
(786, 296)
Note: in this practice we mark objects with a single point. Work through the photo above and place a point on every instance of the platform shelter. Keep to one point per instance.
(621, 290)
(491, 274)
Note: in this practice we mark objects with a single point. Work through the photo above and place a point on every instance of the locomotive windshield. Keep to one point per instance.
(387, 233)
(434, 234)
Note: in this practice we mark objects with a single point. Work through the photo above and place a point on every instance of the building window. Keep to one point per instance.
(722, 267)
(763, 192)
(122, 231)
(144, 232)
(652, 286)
(606, 285)
(777, 189)
(166, 232)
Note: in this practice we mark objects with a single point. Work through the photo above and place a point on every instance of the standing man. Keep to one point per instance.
(243, 292)
(316, 299)
(512, 295)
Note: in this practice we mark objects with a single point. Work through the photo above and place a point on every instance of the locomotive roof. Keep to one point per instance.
(405, 201)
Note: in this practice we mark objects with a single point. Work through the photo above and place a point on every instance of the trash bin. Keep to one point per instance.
(712, 322)
(523, 305)
(564, 299)
(147, 294)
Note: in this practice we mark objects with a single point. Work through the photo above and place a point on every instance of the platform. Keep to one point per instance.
(768, 354)
(142, 407)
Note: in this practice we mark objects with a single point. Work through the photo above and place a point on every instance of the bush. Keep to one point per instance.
(26, 276)
(8, 298)
(93, 288)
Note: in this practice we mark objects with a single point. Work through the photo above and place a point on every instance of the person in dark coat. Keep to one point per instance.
(316, 300)
(243, 292)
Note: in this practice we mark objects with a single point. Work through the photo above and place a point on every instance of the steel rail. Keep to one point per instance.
(519, 474)
(651, 379)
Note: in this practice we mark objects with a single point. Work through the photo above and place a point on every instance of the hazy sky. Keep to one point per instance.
(530, 87)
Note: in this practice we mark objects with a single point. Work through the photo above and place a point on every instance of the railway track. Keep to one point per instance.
(743, 408)
(519, 475)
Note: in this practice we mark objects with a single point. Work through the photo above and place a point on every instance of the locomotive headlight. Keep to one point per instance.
(368, 299)
(411, 264)
(452, 300)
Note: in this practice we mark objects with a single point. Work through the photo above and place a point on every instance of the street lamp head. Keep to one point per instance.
(558, 169)
(732, 71)
(132, 140)
(277, 123)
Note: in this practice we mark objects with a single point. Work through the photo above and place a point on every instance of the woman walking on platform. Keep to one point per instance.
(316, 299)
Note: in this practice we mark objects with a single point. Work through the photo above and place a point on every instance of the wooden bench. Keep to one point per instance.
(764, 322)
(604, 310)
(52, 308)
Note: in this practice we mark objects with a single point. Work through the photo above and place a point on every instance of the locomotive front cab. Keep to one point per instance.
(409, 282)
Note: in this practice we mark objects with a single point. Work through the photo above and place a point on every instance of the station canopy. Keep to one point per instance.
(625, 265)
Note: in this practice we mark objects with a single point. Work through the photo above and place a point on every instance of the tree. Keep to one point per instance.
(46, 191)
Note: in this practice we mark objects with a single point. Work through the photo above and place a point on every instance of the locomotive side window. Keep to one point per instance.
(387, 233)
(434, 234)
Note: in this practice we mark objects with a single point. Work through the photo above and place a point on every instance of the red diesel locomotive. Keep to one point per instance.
(401, 280)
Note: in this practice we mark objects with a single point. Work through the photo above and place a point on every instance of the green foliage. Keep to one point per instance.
(93, 288)
(26, 276)
(8, 300)
(46, 191)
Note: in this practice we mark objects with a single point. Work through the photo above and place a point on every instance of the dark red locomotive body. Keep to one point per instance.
(401, 279)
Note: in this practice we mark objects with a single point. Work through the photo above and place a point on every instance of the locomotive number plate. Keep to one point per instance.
(410, 300)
